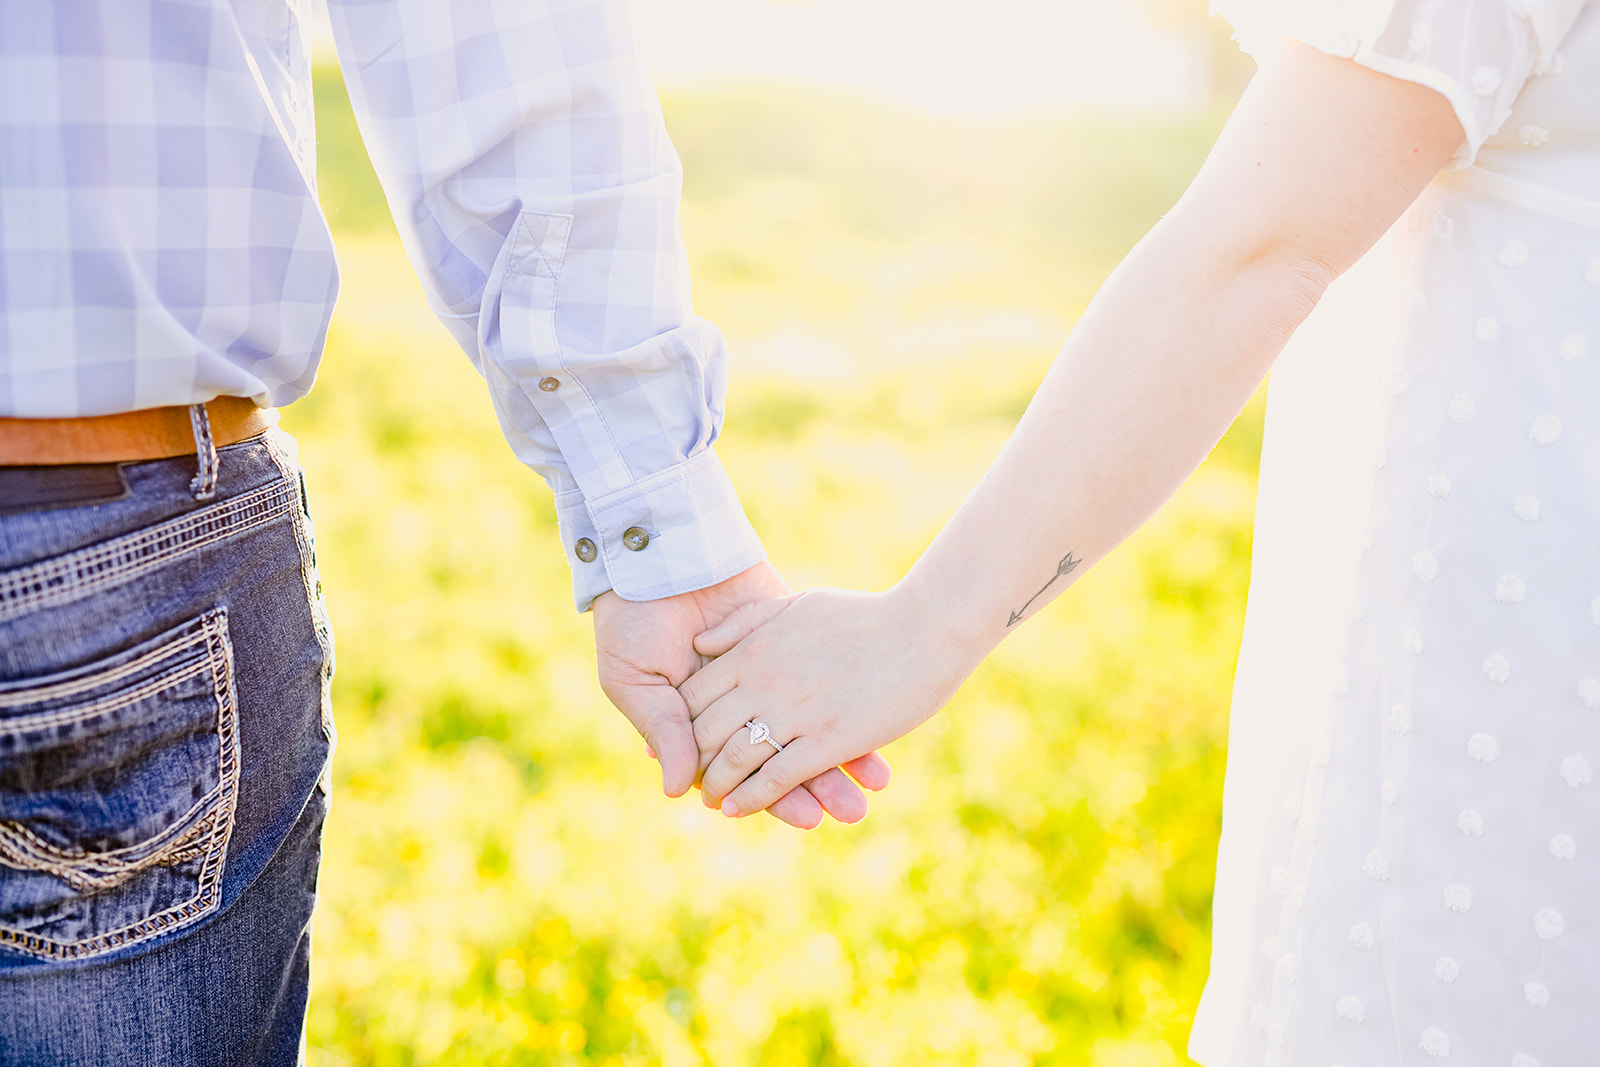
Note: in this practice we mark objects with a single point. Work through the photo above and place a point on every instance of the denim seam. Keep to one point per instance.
(88, 570)
(319, 617)
(211, 834)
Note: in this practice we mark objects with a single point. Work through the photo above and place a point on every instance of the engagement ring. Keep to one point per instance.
(760, 733)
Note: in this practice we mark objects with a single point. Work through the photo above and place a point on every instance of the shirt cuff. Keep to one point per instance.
(679, 530)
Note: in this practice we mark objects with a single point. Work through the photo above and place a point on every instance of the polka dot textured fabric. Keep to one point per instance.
(1411, 819)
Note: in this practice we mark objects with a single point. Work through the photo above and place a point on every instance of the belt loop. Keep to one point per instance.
(204, 483)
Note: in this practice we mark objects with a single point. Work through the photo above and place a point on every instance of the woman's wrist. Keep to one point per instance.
(947, 645)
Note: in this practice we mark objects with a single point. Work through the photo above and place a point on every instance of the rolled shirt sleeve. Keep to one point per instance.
(523, 153)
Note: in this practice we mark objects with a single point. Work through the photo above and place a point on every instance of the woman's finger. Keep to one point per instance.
(801, 759)
(740, 623)
(806, 808)
(739, 758)
(709, 684)
(722, 724)
(872, 771)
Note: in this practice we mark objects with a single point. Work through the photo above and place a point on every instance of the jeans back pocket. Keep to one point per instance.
(118, 782)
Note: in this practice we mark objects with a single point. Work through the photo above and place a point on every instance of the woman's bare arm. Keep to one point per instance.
(1319, 159)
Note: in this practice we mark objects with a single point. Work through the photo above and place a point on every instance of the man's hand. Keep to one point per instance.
(645, 650)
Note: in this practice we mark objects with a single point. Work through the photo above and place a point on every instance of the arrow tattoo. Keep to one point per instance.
(1066, 566)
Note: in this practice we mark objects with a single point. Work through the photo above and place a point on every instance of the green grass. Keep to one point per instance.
(503, 883)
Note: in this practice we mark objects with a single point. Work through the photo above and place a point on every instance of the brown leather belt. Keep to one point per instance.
(154, 433)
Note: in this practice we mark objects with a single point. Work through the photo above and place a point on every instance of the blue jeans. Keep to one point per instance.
(164, 747)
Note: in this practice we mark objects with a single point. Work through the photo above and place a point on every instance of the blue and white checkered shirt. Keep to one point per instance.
(161, 241)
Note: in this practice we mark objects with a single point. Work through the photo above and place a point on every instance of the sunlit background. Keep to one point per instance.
(1000, 57)
(895, 211)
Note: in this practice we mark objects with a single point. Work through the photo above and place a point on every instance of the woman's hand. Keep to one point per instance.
(644, 649)
(832, 674)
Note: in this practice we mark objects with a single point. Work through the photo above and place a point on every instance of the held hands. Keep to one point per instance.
(831, 674)
(645, 650)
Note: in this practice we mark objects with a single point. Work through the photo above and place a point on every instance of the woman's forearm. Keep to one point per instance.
(1318, 161)
(1135, 401)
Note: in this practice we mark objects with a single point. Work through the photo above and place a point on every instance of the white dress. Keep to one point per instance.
(1410, 860)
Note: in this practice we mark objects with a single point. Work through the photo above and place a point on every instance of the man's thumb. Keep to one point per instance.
(662, 718)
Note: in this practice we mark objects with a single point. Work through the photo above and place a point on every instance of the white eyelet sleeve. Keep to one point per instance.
(1478, 54)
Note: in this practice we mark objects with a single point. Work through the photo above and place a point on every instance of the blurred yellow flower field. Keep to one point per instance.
(503, 882)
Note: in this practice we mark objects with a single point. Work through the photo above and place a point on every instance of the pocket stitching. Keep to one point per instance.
(38, 855)
(180, 831)
(214, 829)
(66, 716)
(15, 694)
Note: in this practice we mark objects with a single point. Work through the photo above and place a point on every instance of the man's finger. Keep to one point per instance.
(799, 808)
(872, 771)
(837, 794)
(740, 623)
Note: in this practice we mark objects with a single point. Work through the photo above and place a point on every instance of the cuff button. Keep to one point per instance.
(635, 538)
(586, 550)
(549, 385)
